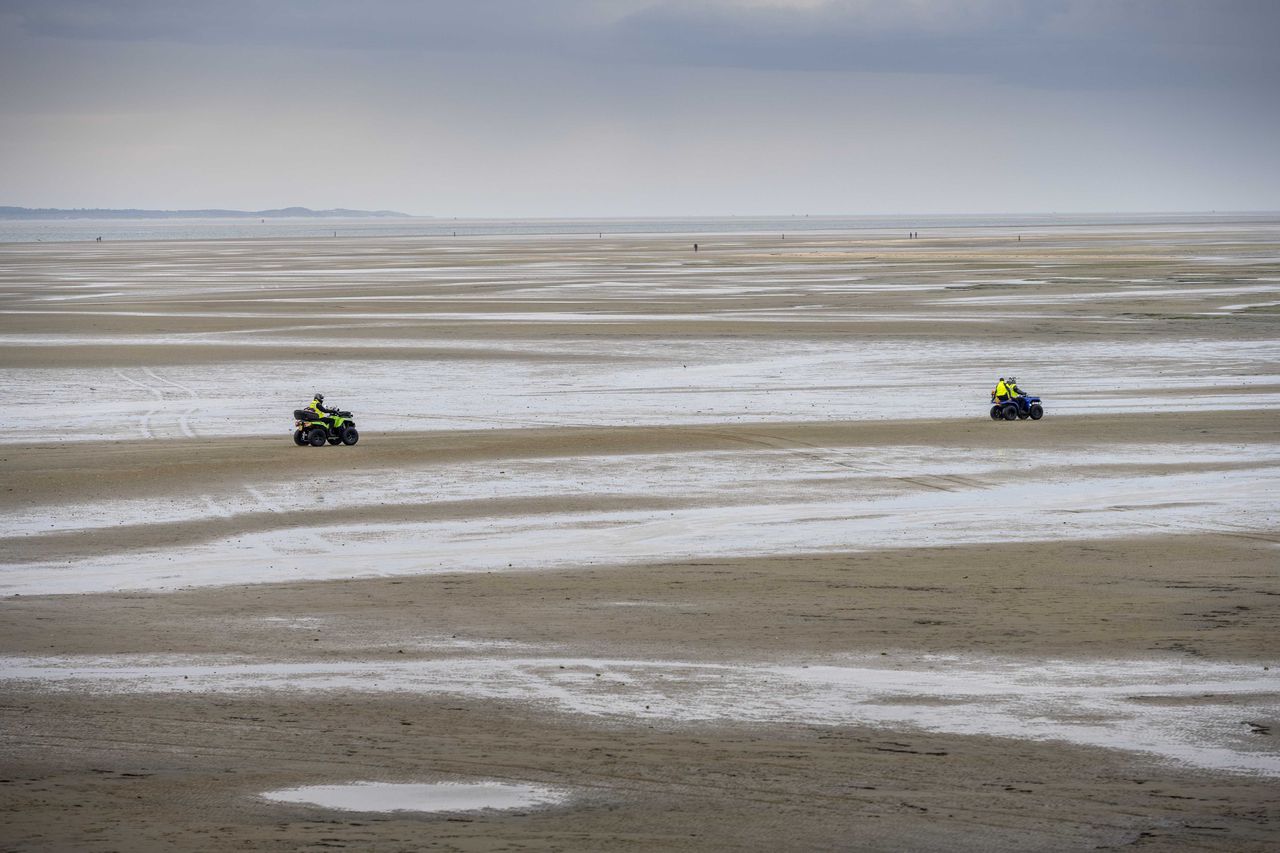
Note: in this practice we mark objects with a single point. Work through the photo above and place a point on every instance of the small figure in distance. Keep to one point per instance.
(695, 247)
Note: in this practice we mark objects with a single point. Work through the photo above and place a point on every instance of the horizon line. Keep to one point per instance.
(668, 216)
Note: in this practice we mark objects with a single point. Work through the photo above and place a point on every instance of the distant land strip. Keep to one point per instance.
(132, 213)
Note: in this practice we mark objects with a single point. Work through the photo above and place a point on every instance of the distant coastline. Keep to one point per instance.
(70, 229)
(215, 213)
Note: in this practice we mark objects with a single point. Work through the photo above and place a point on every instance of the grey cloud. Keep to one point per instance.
(1052, 43)
(640, 107)
(322, 24)
(1055, 43)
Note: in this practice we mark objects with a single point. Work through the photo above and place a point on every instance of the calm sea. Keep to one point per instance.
(70, 230)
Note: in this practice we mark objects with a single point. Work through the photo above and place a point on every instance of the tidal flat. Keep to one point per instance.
(721, 546)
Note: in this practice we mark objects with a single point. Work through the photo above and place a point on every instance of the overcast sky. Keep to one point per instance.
(642, 107)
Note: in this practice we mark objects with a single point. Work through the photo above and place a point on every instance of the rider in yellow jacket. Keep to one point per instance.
(317, 403)
(1002, 391)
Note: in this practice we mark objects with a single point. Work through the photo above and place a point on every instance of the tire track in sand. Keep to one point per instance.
(144, 426)
(184, 421)
(949, 482)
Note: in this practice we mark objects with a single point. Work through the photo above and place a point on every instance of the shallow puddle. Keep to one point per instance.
(1187, 711)
(858, 504)
(421, 797)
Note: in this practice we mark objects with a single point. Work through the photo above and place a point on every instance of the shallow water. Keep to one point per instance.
(589, 383)
(839, 517)
(420, 797)
(1184, 711)
(802, 475)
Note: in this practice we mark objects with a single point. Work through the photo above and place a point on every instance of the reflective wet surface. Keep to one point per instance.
(1186, 711)
(420, 797)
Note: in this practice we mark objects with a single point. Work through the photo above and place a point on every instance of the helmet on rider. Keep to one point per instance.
(319, 397)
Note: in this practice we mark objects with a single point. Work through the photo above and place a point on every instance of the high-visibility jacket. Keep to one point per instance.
(1014, 391)
(320, 408)
(1002, 390)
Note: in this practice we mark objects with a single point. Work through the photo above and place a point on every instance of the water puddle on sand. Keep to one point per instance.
(422, 797)
(1191, 712)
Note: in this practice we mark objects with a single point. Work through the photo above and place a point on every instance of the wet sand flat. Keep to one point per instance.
(723, 545)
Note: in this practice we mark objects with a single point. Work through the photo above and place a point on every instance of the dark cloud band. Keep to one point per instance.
(1054, 43)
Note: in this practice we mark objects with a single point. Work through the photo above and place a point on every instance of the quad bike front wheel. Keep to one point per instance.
(350, 436)
(1037, 411)
(297, 438)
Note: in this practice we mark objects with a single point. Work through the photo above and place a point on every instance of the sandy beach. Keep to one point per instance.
(721, 547)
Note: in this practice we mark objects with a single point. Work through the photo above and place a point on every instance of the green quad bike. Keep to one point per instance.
(313, 428)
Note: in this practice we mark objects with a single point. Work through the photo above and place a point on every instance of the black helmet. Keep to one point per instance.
(319, 397)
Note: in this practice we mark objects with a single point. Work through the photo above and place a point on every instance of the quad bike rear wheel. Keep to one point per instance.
(316, 438)
(996, 413)
(1010, 412)
(297, 438)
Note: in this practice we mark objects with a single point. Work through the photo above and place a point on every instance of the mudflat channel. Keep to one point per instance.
(720, 547)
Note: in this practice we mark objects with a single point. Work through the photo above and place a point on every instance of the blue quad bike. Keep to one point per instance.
(312, 428)
(1019, 408)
